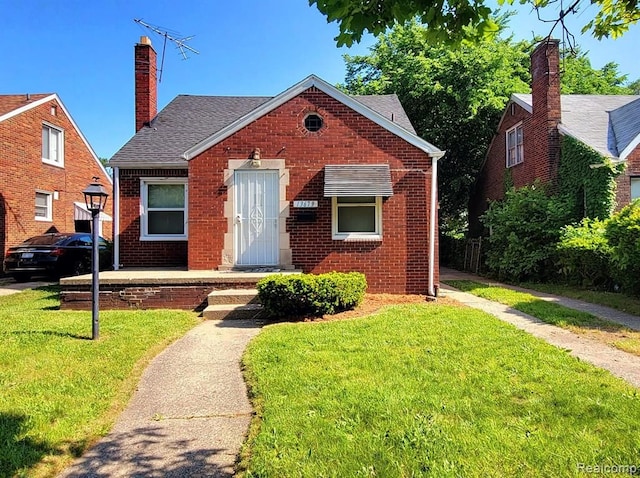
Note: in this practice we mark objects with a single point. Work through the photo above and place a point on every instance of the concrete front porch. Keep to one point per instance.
(157, 288)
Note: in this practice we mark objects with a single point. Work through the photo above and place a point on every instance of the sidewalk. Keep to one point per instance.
(189, 414)
(619, 363)
(605, 313)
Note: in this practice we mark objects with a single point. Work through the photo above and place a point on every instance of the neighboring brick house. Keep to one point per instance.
(45, 164)
(528, 140)
(311, 179)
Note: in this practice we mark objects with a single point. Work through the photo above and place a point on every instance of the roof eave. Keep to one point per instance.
(567, 132)
(54, 96)
(630, 147)
(27, 107)
(295, 90)
(148, 165)
(523, 104)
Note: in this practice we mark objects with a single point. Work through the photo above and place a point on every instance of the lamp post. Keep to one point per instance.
(95, 198)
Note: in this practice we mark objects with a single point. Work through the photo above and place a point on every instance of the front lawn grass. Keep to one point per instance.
(429, 390)
(61, 391)
(618, 301)
(577, 321)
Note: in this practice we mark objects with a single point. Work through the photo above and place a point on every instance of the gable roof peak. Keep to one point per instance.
(295, 90)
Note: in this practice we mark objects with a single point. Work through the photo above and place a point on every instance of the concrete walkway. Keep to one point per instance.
(619, 363)
(189, 415)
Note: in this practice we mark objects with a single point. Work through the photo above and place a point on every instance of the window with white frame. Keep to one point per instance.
(52, 145)
(635, 188)
(164, 209)
(515, 146)
(357, 217)
(44, 206)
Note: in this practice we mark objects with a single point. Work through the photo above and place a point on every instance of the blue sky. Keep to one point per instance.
(83, 50)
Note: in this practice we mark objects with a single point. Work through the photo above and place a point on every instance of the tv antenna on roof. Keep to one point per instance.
(180, 42)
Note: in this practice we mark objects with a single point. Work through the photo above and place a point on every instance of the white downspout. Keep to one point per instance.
(432, 224)
(116, 218)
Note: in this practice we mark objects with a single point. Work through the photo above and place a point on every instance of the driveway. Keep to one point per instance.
(9, 286)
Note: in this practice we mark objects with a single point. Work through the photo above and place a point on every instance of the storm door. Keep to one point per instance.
(256, 217)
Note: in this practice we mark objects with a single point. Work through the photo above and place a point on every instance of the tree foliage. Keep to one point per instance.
(584, 254)
(525, 228)
(580, 78)
(453, 97)
(456, 21)
(623, 233)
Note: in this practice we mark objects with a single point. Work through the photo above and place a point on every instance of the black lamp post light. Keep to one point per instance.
(95, 198)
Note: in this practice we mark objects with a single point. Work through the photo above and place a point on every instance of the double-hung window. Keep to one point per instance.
(357, 217)
(515, 146)
(164, 209)
(52, 145)
(44, 206)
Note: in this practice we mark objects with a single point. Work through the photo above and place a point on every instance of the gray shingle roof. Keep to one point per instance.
(388, 106)
(185, 121)
(625, 123)
(188, 119)
(607, 123)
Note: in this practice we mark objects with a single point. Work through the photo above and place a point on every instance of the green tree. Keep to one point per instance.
(579, 78)
(453, 97)
(453, 21)
(634, 87)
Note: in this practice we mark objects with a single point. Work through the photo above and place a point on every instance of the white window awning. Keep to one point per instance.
(81, 213)
(357, 180)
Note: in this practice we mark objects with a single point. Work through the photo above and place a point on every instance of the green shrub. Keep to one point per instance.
(308, 294)
(584, 255)
(623, 233)
(525, 228)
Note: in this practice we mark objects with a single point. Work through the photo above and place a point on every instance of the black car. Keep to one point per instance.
(55, 255)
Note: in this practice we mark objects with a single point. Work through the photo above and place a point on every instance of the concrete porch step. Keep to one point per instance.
(232, 311)
(233, 296)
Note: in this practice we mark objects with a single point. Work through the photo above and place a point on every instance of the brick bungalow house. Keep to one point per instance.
(311, 179)
(45, 163)
(528, 142)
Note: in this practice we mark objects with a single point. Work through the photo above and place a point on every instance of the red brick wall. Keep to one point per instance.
(490, 185)
(146, 94)
(22, 172)
(623, 192)
(542, 144)
(136, 253)
(398, 263)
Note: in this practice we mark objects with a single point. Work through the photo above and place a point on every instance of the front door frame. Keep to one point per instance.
(229, 252)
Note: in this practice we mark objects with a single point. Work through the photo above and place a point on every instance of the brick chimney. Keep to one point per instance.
(545, 92)
(146, 85)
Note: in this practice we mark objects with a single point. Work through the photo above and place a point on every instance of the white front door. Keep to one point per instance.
(256, 217)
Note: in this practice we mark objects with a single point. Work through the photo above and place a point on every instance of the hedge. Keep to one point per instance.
(311, 295)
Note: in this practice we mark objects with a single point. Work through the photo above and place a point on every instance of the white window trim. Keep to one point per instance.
(632, 180)
(60, 162)
(356, 236)
(144, 236)
(519, 148)
(49, 216)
